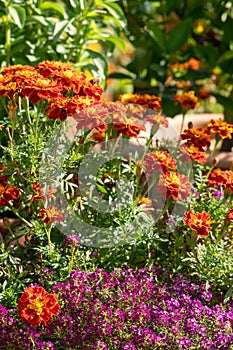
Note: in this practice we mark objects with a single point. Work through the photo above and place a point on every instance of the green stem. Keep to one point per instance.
(8, 38)
(20, 217)
(71, 262)
(48, 232)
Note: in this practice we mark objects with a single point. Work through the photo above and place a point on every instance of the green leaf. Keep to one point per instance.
(39, 19)
(225, 101)
(115, 11)
(49, 5)
(117, 42)
(18, 15)
(101, 188)
(228, 55)
(119, 76)
(228, 295)
(60, 26)
(178, 36)
(157, 35)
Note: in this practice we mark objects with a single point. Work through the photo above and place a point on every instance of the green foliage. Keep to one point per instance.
(83, 32)
(166, 32)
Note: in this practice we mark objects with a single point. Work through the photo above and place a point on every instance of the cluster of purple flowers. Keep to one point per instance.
(128, 310)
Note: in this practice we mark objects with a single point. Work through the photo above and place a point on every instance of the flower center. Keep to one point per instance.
(36, 305)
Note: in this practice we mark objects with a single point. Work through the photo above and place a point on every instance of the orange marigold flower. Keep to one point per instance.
(230, 215)
(145, 203)
(195, 153)
(188, 100)
(98, 134)
(17, 68)
(199, 137)
(193, 63)
(203, 93)
(7, 193)
(130, 127)
(37, 88)
(156, 120)
(220, 127)
(221, 177)
(183, 84)
(37, 306)
(49, 215)
(174, 185)
(12, 79)
(53, 68)
(159, 160)
(63, 107)
(70, 79)
(39, 192)
(198, 222)
(146, 100)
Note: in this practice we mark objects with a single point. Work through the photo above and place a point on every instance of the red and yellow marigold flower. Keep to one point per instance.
(145, 203)
(39, 192)
(195, 153)
(198, 222)
(146, 100)
(49, 215)
(203, 94)
(192, 63)
(66, 90)
(156, 120)
(221, 177)
(230, 215)
(220, 127)
(199, 137)
(159, 161)
(37, 88)
(188, 100)
(174, 185)
(7, 193)
(130, 127)
(37, 306)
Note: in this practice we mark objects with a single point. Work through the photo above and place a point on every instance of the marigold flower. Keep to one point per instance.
(53, 68)
(199, 137)
(221, 177)
(145, 203)
(7, 193)
(198, 222)
(36, 88)
(98, 134)
(146, 100)
(156, 120)
(220, 127)
(130, 127)
(192, 63)
(203, 94)
(159, 160)
(188, 100)
(49, 215)
(175, 185)
(37, 306)
(39, 192)
(195, 153)
(230, 215)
